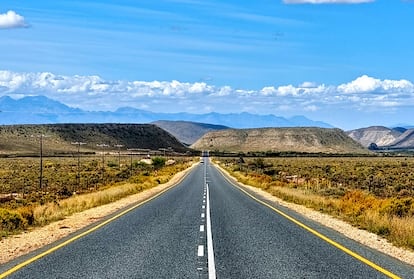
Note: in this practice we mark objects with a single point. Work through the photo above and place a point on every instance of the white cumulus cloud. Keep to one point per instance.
(12, 20)
(366, 84)
(308, 84)
(96, 93)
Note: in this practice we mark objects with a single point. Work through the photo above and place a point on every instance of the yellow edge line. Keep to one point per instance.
(100, 225)
(318, 234)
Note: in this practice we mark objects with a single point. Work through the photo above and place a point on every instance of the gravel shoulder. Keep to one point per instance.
(24, 243)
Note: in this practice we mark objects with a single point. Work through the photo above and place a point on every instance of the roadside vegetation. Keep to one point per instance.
(68, 187)
(372, 193)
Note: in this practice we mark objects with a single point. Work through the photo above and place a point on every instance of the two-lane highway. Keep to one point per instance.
(205, 227)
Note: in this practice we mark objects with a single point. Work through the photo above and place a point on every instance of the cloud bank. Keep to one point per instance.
(95, 93)
(12, 20)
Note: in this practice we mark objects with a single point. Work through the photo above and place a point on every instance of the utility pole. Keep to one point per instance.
(78, 143)
(119, 154)
(130, 170)
(41, 162)
(103, 145)
(162, 150)
(41, 136)
(131, 154)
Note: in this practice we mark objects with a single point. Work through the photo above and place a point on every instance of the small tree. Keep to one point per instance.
(373, 146)
(259, 163)
(158, 162)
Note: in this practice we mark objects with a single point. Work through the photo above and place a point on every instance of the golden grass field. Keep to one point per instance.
(23, 203)
(372, 193)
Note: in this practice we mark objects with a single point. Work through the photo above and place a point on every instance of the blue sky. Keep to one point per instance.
(345, 62)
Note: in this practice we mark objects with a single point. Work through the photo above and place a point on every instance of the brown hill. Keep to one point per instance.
(381, 136)
(187, 132)
(404, 141)
(310, 140)
(24, 139)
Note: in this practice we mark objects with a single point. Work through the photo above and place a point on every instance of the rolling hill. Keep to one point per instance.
(404, 141)
(309, 140)
(24, 139)
(384, 138)
(187, 132)
(381, 136)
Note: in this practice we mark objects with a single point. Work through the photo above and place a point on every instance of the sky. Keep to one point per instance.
(346, 62)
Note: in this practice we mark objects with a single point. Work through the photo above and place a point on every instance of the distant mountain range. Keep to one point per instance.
(42, 110)
(384, 138)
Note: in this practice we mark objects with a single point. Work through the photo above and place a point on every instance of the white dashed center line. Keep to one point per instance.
(207, 237)
(200, 251)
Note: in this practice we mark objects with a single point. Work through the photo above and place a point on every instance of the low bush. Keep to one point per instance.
(400, 207)
(11, 221)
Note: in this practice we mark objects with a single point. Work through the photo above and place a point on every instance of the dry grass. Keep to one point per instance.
(54, 211)
(391, 218)
(13, 221)
(57, 211)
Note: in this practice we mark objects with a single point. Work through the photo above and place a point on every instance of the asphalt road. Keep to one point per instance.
(168, 238)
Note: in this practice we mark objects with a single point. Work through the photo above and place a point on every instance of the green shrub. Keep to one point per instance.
(11, 221)
(400, 207)
(112, 164)
(28, 214)
(158, 162)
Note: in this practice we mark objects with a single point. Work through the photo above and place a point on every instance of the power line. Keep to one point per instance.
(103, 145)
(40, 136)
(78, 143)
(119, 146)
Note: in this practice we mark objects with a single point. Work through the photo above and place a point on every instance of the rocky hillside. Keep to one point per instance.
(58, 138)
(384, 138)
(381, 136)
(404, 141)
(187, 132)
(279, 140)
